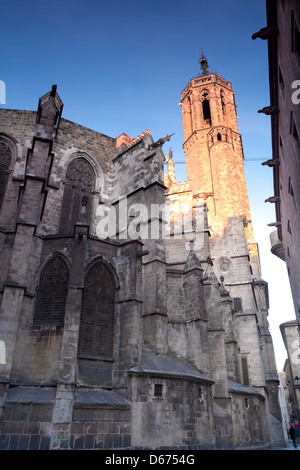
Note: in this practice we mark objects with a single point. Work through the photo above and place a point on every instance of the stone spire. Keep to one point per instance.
(192, 261)
(171, 168)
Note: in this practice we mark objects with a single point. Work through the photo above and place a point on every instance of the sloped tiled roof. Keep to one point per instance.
(100, 397)
(239, 388)
(31, 395)
(167, 365)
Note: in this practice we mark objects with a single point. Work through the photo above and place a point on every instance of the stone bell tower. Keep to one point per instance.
(215, 171)
(213, 149)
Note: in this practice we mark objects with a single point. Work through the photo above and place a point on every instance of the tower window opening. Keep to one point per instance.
(223, 106)
(206, 110)
(219, 136)
(222, 103)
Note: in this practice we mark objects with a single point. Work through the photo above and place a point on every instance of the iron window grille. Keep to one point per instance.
(97, 322)
(51, 294)
(158, 390)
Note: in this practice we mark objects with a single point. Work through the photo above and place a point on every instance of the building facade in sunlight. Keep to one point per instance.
(133, 313)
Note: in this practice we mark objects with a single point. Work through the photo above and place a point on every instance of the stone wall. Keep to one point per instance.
(72, 141)
(27, 420)
(248, 416)
(182, 414)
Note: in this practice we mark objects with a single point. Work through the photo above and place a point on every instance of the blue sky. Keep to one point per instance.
(120, 66)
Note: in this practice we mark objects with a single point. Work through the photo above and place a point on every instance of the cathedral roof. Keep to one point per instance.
(25, 394)
(100, 398)
(239, 388)
(167, 365)
(43, 395)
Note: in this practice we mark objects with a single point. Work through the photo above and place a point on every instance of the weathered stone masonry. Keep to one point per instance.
(122, 342)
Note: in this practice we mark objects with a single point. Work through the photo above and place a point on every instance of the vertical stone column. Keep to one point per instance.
(63, 407)
(250, 345)
(154, 276)
(155, 313)
(62, 417)
(216, 335)
(267, 350)
(233, 361)
(231, 340)
(217, 353)
(32, 199)
(11, 304)
(129, 310)
(154, 263)
(25, 249)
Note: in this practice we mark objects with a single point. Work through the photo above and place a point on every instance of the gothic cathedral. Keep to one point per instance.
(133, 312)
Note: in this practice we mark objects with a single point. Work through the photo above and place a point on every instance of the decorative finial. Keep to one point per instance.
(203, 63)
(53, 90)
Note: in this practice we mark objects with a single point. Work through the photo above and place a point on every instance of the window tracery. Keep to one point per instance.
(79, 184)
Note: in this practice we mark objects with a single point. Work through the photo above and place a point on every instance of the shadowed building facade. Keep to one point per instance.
(282, 34)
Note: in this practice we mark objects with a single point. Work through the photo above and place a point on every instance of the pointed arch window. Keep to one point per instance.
(5, 162)
(223, 106)
(206, 108)
(51, 294)
(80, 179)
(97, 321)
(222, 102)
